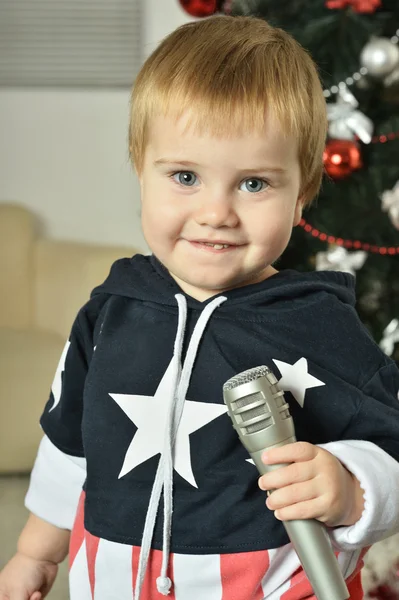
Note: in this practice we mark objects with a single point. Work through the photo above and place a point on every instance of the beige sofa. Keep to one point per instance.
(42, 285)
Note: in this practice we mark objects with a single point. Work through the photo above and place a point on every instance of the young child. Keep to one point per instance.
(227, 136)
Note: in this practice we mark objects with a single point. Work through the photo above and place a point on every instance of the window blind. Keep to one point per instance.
(70, 43)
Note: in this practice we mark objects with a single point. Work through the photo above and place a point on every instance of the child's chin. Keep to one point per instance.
(215, 286)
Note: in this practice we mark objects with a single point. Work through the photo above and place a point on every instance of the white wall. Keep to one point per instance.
(64, 154)
(161, 17)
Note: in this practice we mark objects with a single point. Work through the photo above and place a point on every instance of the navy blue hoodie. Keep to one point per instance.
(339, 385)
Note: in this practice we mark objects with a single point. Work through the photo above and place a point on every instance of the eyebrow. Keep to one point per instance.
(188, 163)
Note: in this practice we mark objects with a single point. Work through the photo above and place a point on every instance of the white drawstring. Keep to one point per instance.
(190, 358)
(163, 581)
(158, 482)
(164, 474)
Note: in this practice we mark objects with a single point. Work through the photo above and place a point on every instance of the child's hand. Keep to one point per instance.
(315, 486)
(25, 578)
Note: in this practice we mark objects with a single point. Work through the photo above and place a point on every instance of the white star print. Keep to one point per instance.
(149, 414)
(296, 379)
(56, 388)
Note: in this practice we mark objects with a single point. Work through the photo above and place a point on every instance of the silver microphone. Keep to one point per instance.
(261, 417)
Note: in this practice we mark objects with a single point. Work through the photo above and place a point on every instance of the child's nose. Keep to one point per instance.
(217, 212)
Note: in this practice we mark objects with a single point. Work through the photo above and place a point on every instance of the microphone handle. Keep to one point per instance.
(313, 547)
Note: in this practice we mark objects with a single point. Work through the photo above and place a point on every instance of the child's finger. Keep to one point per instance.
(36, 596)
(292, 494)
(296, 452)
(288, 475)
(309, 509)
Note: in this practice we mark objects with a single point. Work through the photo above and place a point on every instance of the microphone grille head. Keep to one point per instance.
(257, 407)
(247, 376)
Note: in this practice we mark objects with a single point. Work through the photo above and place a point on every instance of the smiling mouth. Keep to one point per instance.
(212, 246)
(216, 246)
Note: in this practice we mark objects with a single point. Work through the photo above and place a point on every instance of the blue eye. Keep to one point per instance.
(186, 178)
(253, 184)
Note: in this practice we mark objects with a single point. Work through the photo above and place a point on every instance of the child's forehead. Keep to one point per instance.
(177, 139)
(193, 123)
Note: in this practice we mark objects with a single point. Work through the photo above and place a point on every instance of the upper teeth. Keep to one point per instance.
(217, 246)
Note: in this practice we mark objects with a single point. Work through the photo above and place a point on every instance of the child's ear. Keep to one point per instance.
(298, 210)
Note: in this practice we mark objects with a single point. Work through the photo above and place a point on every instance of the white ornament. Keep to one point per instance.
(390, 204)
(380, 57)
(390, 337)
(345, 122)
(339, 259)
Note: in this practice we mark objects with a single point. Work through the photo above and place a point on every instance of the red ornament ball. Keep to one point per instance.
(341, 158)
(200, 8)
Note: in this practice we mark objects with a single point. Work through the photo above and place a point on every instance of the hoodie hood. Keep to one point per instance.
(145, 278)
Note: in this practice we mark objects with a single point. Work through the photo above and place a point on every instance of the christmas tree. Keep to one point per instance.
(354, 223)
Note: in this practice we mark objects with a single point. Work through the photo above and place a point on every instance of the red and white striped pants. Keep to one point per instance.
(104, 570)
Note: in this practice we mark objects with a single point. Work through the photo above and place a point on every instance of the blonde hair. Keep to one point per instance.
(230, 70)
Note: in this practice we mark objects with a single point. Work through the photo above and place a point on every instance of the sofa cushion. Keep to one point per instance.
(65, 274)
(17, 233)
(28, 360)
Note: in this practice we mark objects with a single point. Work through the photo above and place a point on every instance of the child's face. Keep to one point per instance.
(241, 191)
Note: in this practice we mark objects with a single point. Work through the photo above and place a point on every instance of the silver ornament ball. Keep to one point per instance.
(380, 56)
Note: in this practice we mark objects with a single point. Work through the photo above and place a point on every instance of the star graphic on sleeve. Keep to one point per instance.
(296, 379)
(56, 388)
(149, 414)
